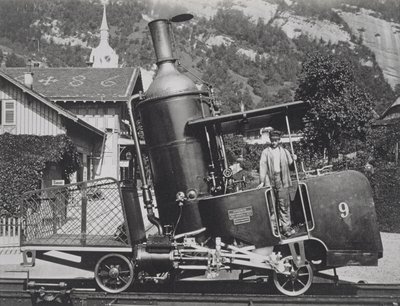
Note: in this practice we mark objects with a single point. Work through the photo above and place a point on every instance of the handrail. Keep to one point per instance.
(275, 213)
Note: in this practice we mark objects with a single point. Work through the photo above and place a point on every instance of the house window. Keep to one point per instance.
(7, 112)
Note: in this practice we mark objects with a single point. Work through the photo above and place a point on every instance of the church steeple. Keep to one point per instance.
(104, 26)
(103, 56)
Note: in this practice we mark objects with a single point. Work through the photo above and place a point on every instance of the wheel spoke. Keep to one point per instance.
(120, 278)
(299, 280)
(102, 273)
(293, 288)
(303, 274)
(285, 283)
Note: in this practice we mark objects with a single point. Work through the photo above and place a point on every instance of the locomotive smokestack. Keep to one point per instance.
(178, 156)
(160, 34)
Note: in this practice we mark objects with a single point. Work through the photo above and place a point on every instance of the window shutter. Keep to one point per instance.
(9, 112)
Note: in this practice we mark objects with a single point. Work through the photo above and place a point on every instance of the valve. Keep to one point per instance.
(180, 198)
(227, 173)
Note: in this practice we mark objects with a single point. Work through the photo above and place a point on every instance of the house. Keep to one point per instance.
(261, 136)
(98, 97)
(391, 117)
(392, 112)
(24, 111)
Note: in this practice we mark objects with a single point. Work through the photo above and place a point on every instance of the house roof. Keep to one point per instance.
(391, 108)
(81, 84)
(61, 111)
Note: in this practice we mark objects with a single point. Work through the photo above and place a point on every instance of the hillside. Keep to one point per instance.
(251, 51)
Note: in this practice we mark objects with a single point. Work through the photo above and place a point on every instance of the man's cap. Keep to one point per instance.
(275, 135)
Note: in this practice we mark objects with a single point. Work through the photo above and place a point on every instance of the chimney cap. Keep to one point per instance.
(182, 17)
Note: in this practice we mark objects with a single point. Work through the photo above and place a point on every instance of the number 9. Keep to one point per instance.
(344, 209)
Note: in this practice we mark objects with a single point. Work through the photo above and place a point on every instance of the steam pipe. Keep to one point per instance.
(147, 198)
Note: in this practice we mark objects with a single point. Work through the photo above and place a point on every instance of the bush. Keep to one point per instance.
(23, 158)
(385, 184)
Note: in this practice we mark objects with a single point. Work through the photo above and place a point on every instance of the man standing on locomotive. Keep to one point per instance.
(274, 172)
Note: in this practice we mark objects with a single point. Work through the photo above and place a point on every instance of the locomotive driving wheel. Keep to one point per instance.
(294, 280)
(114, 273)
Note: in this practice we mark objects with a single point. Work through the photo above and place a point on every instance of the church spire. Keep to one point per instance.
(104, 31)
(104, 25)
(103, 56)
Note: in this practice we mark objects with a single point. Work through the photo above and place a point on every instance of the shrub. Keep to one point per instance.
(23, 158)
(385, 184)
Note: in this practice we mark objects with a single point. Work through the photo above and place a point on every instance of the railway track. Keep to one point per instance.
(79, 292)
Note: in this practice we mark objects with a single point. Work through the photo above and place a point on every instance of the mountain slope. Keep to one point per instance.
(257, 46)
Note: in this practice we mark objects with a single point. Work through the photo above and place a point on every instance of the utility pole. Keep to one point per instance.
(38, 44)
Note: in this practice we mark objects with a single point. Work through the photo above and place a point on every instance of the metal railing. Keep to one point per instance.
(88, 213)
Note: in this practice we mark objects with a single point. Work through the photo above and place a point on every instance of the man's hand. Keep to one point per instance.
(294, 156)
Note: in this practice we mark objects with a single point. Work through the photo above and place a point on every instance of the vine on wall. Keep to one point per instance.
(23, 158)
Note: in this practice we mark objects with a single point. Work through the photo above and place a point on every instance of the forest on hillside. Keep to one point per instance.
(269, 78)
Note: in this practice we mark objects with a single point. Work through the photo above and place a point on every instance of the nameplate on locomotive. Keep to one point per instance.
(240, 215)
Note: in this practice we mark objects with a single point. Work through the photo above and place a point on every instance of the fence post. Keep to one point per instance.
(84, 214)
(10, 231)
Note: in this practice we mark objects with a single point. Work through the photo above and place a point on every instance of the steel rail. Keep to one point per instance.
(11, 298)
(15, 292)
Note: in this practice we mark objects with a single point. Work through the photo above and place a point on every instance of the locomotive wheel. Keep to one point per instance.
(294, 281)
(114, 273)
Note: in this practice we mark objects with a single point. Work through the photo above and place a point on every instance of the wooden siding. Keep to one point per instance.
(106, 117)
(32, 116)
(102, 122)
(101, 115)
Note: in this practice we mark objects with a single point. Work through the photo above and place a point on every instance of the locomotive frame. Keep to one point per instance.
(202, 227)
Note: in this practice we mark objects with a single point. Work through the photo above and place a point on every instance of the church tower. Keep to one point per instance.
(103, 56)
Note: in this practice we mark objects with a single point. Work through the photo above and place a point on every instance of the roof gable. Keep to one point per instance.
(83, 84)
(61, 111)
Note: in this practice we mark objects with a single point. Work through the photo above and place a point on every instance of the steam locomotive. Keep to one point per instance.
(204, 227)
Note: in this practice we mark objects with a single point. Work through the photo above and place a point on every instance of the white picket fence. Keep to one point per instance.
(10, 229)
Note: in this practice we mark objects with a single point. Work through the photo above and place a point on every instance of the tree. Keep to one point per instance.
(234, 147)
(340, 111)
(15, 61)
(397, 90)
(283, 95)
